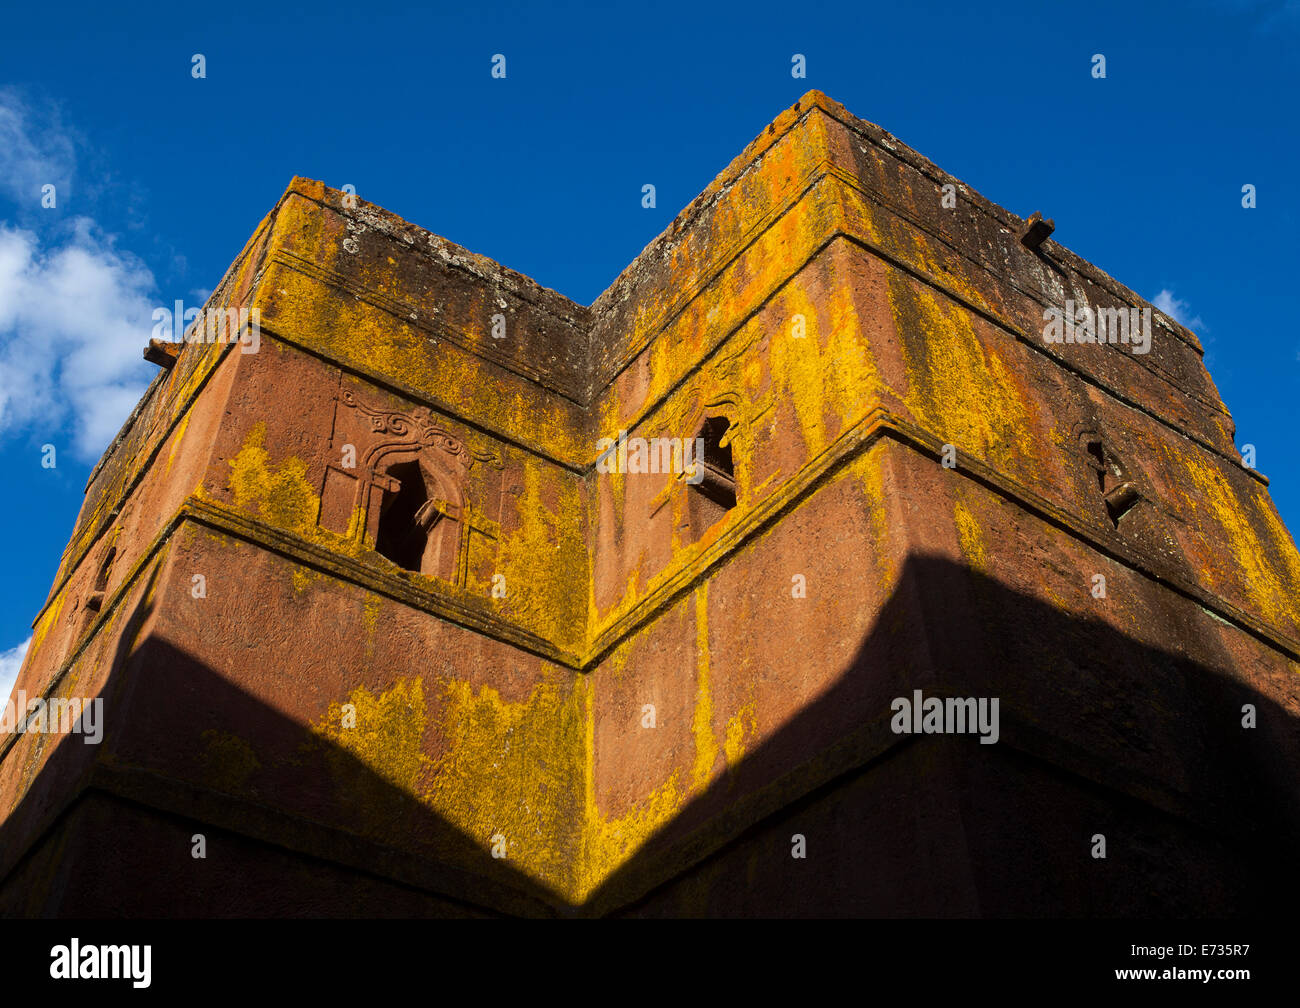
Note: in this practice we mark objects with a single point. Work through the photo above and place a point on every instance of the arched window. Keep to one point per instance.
(419, 529)
(715, 494)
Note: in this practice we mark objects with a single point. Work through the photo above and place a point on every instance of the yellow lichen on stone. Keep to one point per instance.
(352, 333)
(971, 537)
(516, 769)
(178, 435)
(229, 761)
(869, 469)
(1254, 550)
(828, 374)
(935, 264)
(384, 732)
(706, 745)
(283, 496)
(965, 396)
(606, 844)
(545, 560)
(609, 843)
(741, 727)
(48, 619)
(798, 368)
(306, 577)
(852, 382)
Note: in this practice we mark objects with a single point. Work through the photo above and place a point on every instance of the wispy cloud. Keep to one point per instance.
(75, 310)
(10, 662)
(1179, 311)
(33, 156)
(1264, 15)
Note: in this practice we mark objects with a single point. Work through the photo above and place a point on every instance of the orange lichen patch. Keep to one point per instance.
(610, 842)
(632, 594)
(1284, 548)
(799, 370)
(744, 285)
(610, 421)
(615, 667)
(961, 391)
(735, 213)
(853, 381)
(307, 577)
(828, 374)
(1264, 565)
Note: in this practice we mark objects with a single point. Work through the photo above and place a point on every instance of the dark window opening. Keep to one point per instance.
(715, 494)
(403, 526)
(96, 597)
(1098, 463)
(1119, 493)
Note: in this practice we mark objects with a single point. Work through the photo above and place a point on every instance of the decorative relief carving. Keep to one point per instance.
(414, 429)
(407, 492)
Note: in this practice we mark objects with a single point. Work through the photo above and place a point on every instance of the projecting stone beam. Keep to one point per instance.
(162, 353)
(1037, 232)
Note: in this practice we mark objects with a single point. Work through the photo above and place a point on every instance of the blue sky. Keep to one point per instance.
(160, 178)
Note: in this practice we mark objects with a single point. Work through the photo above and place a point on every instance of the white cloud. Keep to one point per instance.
(75, 311)
(10, 662)
(1179, 311)
(73, 320)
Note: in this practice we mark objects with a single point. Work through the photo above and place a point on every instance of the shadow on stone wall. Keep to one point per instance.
(1099, 734)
